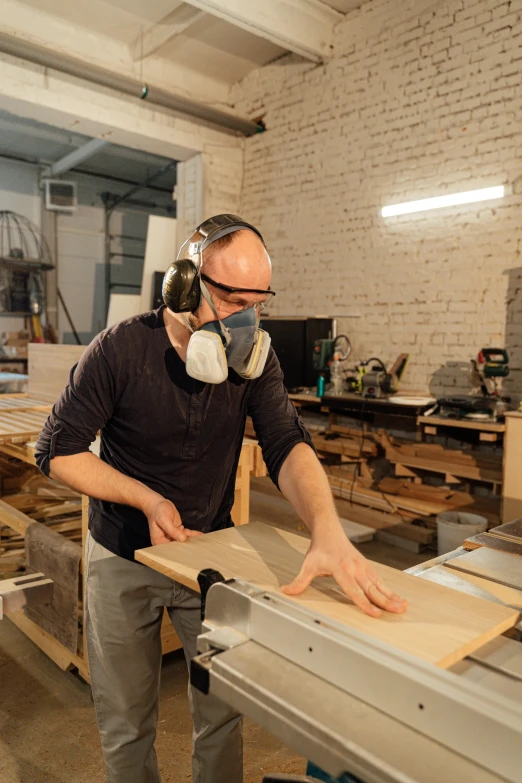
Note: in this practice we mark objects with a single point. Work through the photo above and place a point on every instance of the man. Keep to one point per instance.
(171, 416)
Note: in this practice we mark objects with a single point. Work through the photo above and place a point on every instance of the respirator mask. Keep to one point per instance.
(234, 342)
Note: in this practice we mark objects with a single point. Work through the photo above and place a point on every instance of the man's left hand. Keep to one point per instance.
(332, 554)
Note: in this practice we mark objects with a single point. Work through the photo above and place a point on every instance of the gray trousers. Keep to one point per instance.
(124, 610)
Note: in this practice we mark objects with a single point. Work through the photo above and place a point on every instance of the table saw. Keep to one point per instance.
(346, 700)
(353, 704)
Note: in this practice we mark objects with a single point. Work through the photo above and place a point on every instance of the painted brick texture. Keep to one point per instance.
(419, 99)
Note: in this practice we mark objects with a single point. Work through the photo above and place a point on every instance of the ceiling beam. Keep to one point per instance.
(172, 25)
(75, 157)
(302, 26)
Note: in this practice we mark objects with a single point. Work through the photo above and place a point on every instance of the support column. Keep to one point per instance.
(49, 227)
(209, 183)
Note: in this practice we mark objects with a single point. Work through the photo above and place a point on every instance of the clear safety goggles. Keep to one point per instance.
(229, 291)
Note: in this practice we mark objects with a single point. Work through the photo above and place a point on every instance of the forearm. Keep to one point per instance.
(303, 482)
(88, 474)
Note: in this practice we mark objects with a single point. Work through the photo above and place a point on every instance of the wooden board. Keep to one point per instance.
(440, 626)
(122, 306)
(356, 532)
(23, 402)
(20, 427)
(490, 564)
(160, 251)
(463, 424)
(50, 366)
(512, 486)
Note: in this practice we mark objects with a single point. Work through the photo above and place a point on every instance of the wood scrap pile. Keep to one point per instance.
(453, 463)
(415, 504)
(360, 465)
(45, 501)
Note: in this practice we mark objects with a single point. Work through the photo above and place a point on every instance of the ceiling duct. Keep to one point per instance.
(26, 50)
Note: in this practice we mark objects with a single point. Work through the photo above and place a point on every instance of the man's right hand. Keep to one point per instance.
(165, 523)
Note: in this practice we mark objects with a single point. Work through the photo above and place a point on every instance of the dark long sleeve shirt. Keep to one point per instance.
(180, 437)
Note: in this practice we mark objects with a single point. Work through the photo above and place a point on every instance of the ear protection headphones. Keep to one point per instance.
(181, 288)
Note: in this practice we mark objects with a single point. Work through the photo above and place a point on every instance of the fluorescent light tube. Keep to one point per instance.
(468, 197)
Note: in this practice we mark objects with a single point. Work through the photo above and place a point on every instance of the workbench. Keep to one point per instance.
(428, 444)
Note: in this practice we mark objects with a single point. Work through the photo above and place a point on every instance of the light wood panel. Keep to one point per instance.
(49, 367)
(440, 625)
(160, 251)
(19, 403)
(20, 427)
(490, 564)
(512, 486)
(122, 306)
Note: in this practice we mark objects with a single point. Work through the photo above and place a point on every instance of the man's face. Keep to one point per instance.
(244, 263)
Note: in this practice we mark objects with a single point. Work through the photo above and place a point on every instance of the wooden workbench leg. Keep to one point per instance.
(85, 526)
(241, 507)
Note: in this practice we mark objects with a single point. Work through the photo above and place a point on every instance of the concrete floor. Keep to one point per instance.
(47, 727)
(48, 732)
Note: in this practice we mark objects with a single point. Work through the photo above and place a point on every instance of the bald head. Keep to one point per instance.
(240, 262)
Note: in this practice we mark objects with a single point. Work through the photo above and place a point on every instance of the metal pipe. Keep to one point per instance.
(26, 50)
(67, 313)
(125, 255)
(83, 173)
(114, 202)
(107, 224)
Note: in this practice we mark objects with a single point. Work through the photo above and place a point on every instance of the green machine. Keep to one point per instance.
(325, 349)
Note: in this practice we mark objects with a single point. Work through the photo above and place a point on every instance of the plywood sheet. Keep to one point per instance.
(160, 250)
(49, 367)
(490, 564)
(440, 626)
(121, 307)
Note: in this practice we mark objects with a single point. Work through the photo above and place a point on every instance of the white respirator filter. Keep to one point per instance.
(256, 361)
(206, 358)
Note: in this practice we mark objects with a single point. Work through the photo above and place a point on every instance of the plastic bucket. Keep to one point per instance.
(454, 527)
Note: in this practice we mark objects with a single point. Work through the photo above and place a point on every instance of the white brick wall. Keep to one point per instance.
(420, 98)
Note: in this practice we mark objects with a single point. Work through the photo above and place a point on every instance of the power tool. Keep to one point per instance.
(488, 371)
(491, 366)
(325, 349)
(374, 380)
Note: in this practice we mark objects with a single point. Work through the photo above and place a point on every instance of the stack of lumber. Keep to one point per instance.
(45, 501)
(346, 442)
(462, 464)
(20, 426)
(404, 513)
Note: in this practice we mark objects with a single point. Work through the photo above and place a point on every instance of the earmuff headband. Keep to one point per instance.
(182, 287)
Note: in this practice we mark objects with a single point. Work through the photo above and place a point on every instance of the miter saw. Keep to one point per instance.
(486, 402)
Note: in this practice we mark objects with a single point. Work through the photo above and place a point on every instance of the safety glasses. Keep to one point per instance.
(268, 294)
